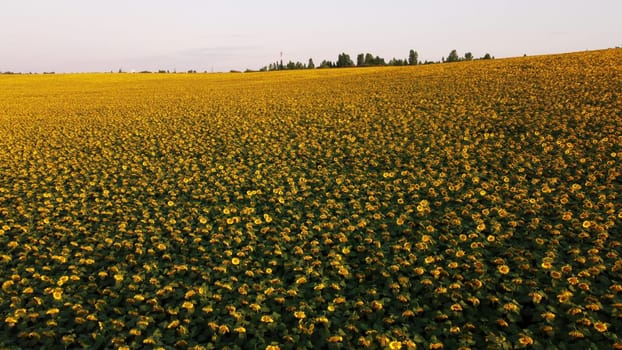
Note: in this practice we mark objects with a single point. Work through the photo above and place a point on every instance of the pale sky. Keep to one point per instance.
(97, 35)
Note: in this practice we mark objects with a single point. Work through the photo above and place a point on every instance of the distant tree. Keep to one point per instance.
(326, 64)
(486, 56)
(275, 66)
(413, 57)
(344, 60)
(370, 60)
(453, 56)
(310, 65)
(294, 65)
(398, 62)
(360, 60)
(468, 56)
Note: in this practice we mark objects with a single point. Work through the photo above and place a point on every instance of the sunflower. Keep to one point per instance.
(223, 329)
(572, 280)
(536, 297)
(62, 280)
(52, 311)
(503, 269)
(11, 321)
(188, 306)
(600, 327)
(564, 296)
(576, 334)
(335, 339)
(525, 340)
(456, 307)
(395, 345)
(511, 307)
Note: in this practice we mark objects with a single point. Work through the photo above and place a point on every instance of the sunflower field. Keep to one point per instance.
(448, 206)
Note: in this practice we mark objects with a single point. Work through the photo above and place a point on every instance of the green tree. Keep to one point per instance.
(453, 56)
(326, 64)
(468, 56)
(413, 58)
(398, 62)
(310, 65)
(360, 60)
(344, 60)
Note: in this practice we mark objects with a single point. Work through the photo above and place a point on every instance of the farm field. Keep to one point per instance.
(464, 205)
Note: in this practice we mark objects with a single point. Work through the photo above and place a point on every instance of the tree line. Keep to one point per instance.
(344, 60)
(369, 60)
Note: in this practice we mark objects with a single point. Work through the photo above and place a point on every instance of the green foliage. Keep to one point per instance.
(326, 64)
(344, 60)
(453, 57)
(413, 57)
(360, 60)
